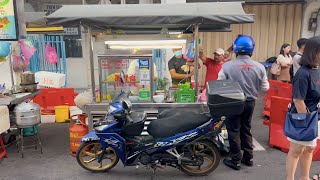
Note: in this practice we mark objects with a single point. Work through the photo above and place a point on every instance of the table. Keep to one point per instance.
(19, 98)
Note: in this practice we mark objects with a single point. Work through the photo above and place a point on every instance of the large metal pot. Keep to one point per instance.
(27, 114)
(27, 78)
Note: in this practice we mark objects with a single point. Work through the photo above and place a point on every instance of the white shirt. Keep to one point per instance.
(296, 62)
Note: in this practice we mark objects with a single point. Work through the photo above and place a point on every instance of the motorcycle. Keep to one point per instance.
(180, 139)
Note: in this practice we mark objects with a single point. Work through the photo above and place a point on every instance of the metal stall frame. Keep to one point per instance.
(203, 17)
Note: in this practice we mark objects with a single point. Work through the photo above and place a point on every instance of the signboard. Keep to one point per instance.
(8, 25)
(68, 31)
(144, 64)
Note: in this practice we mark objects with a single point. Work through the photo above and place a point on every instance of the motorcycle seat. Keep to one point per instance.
(170, 126)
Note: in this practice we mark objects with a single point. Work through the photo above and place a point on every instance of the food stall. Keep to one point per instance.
(146, 19)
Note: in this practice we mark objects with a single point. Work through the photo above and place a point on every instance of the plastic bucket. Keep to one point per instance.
(62, 113)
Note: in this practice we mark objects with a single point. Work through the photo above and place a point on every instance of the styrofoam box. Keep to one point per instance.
(50, 79)
(48, 118)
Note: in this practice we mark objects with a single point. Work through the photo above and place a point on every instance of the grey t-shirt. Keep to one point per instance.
(250, 74)
(296, 62)
(177, 63)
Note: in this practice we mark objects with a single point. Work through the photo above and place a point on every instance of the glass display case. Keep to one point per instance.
(139, 77)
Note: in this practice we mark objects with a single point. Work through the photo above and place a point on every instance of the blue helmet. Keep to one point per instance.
(243, 44)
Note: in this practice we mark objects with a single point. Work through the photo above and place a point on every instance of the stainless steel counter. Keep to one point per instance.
(94, 111)
(18, 98)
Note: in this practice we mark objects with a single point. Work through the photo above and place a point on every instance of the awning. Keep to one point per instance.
(153, 17)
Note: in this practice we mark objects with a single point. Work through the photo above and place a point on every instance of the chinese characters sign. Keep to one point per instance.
(115, 64)
(113, 68)
(8, 29)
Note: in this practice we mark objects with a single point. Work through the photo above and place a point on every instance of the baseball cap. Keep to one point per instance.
(219, 51)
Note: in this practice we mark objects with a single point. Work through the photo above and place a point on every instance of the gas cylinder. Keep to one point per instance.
(78, 129)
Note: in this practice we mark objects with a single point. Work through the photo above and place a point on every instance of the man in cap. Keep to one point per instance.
(252, 78)
(213, 65)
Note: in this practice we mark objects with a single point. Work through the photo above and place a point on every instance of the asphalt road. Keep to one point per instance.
(57, 164)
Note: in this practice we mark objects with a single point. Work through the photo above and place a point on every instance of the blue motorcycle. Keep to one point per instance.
(180, 139)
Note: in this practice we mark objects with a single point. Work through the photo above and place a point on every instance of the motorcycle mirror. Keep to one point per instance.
(122, 77)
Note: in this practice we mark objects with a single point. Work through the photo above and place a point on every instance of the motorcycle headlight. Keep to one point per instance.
(110, 109)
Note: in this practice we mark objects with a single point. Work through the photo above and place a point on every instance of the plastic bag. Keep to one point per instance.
(83, 99)
(18, 63)
(203, 97)
(27, 49)
(189, 55)
(4, 49)
(51, 54)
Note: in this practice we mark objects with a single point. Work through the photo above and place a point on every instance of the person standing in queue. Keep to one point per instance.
(297, 58)
(213, 65)
(179, 68)
(252, 78)
(285, 61)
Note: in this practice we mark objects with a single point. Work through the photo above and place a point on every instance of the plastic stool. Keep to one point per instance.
(20, 139)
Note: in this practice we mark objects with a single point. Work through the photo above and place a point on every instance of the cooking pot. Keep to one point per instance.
(27, 78)
(29, 88)
(27, 114)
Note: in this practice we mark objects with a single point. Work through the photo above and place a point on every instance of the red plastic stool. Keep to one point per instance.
(2, 148)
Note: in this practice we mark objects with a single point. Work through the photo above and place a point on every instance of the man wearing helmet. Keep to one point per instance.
(252, 78)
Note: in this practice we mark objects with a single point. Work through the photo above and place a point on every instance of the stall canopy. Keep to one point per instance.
(153, 17)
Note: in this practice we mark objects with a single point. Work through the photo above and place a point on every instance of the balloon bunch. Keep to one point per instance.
(27, 49)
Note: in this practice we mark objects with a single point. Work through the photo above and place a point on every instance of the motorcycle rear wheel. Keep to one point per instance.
(207, 152)
(88, 154)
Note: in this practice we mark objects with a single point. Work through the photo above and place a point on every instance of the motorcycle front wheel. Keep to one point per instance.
(204, 152)
(88, 154)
